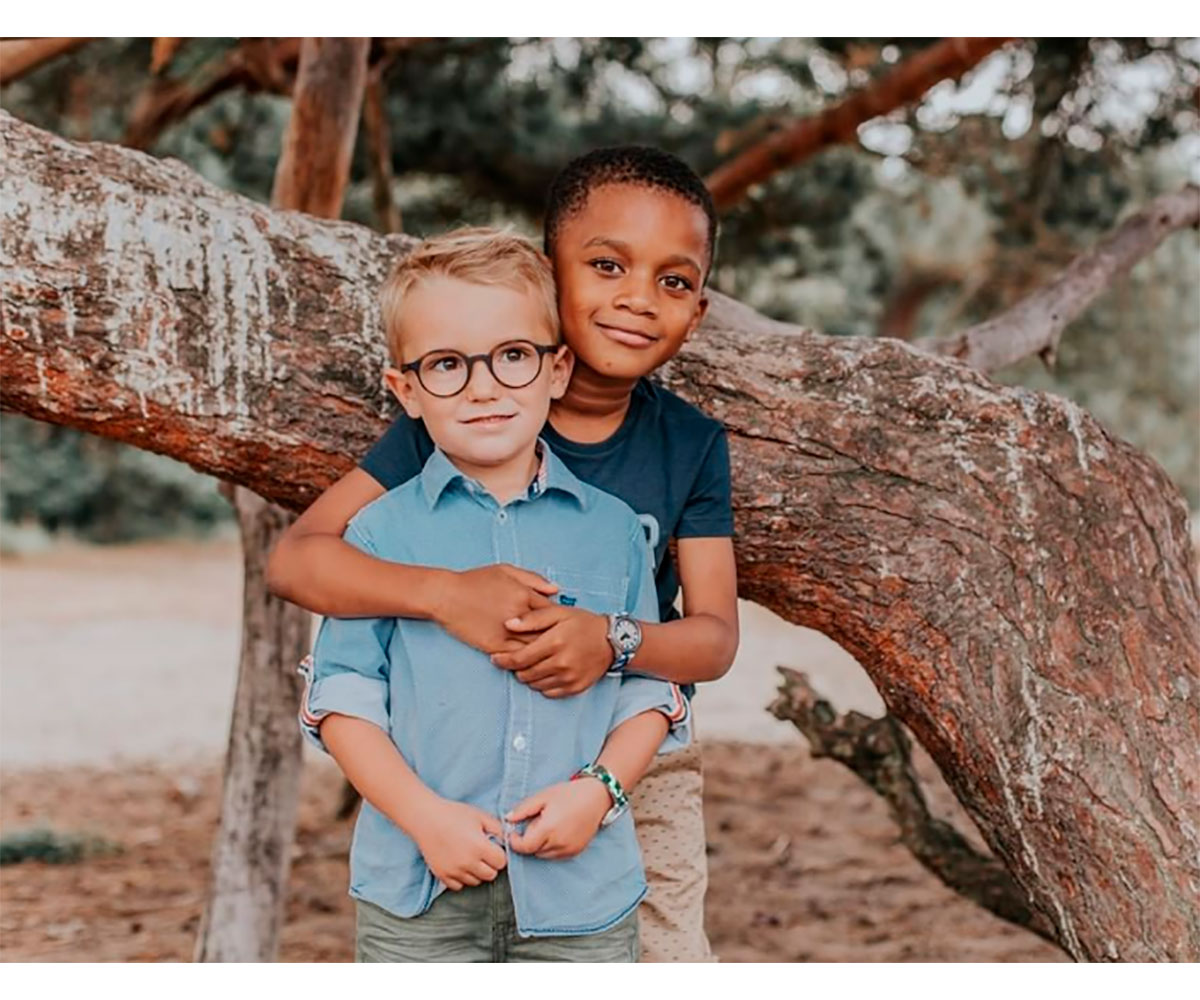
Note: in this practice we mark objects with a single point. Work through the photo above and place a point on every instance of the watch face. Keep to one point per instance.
(627, 633)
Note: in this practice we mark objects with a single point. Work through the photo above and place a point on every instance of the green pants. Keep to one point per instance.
(478, 924)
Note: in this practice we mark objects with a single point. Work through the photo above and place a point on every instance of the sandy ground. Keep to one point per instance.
(117, 671)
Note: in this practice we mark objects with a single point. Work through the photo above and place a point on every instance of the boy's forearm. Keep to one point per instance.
(374, 766)
(631, 747)
(687, 651)
(329, 576)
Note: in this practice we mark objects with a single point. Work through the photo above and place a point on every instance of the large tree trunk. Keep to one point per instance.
(1017, 581)
(252, 854)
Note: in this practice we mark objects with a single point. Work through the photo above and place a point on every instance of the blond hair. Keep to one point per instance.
(477, 254)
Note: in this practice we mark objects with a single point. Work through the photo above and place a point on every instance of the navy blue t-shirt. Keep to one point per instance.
(667, 460)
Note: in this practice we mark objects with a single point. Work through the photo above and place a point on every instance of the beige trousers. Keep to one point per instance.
(669, 818)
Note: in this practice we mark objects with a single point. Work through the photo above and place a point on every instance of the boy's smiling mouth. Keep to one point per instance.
(489, 419)
(624, 335)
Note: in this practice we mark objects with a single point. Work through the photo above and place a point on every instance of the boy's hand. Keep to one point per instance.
(564, 819)
(453, 840)
(473, 605)
(570, 655)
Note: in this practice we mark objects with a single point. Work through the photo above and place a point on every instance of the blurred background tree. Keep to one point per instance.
(940, 215)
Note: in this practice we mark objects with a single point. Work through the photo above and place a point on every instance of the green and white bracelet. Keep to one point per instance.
(610, 782)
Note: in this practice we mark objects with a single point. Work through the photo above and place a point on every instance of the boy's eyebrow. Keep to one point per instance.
(621, 247)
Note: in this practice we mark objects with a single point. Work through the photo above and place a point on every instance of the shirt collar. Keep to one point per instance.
(439, 472)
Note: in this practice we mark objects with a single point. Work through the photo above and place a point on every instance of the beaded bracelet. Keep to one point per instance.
(610, 782)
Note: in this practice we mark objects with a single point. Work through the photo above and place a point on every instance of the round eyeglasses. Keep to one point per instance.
(514, 364)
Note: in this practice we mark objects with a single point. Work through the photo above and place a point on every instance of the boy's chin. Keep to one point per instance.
(487, 451)
(618, 363)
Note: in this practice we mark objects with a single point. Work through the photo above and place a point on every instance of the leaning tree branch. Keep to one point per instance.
(1036, 323)
(879, 752)
(259, 64)
(162, 52)
(1016, 581)
(19, 56)
(948, 59)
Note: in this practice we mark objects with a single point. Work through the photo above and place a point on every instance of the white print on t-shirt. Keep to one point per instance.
(650, 526)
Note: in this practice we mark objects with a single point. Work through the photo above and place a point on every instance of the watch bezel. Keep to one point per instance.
(621, 645)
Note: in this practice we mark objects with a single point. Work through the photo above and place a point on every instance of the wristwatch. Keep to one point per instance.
(609, 780)
(625, 637)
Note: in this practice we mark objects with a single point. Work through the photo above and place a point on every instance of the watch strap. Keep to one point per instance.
(621, 656)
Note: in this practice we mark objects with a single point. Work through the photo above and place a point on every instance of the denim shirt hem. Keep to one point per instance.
(356, 892)
(580, 931)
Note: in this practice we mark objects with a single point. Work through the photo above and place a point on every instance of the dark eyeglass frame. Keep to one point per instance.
(469, 360)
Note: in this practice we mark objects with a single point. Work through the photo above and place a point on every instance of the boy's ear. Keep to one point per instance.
(402, 389)
(562, 363)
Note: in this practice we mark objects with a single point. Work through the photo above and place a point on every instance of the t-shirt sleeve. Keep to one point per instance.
(708, 511)
(641, 599)
(399, 455)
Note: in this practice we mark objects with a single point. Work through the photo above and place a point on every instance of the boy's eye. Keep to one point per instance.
(677, 283)
(446, 363)
(605, 265)
(516, 352)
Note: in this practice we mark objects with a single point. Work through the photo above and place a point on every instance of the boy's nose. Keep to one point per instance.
(480, 382)
(636, 297)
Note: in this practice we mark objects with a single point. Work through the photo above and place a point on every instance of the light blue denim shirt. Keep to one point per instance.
(471, 731)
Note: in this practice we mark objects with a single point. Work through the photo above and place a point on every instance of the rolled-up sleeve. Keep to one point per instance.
(640, 693)
(348, 671)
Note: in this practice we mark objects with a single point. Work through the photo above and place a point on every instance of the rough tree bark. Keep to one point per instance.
(1016, 581)
(252, 853)
(947, 59)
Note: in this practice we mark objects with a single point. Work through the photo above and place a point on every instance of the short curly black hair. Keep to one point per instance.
(641, 165)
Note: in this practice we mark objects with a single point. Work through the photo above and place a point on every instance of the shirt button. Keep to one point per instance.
(502, 516)
(519, 742)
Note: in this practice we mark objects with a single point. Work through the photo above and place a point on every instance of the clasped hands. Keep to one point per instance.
(461, 844)
(557, 650)
(506, 611)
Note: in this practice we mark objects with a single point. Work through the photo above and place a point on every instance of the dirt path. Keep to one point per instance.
(803, 862)
(117, 670)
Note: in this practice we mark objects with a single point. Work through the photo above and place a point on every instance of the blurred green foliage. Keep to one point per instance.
(101, 491)
(52, 847)
(943, 214)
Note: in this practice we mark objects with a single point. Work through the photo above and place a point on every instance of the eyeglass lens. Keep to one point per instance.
(514, 365)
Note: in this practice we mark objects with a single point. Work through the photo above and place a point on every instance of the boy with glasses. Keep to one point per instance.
(474, 782)
(631, 232)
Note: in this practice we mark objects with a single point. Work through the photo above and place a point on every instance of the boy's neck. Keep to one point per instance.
(593, 406)
(506, 481)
